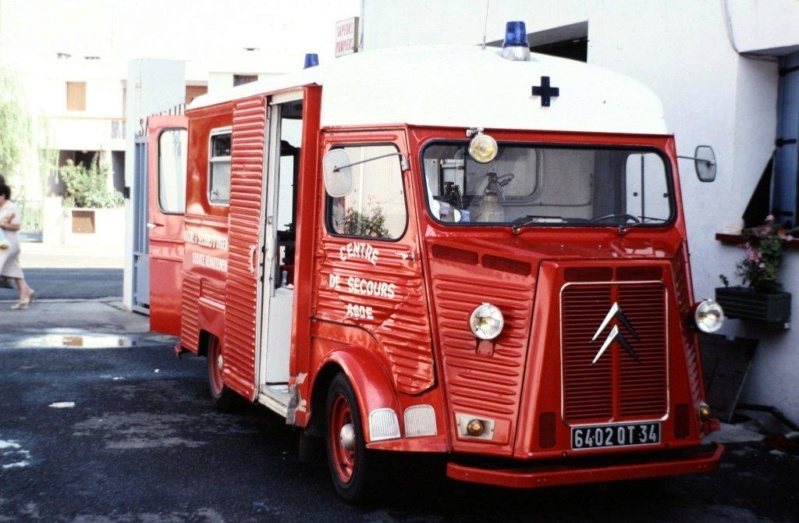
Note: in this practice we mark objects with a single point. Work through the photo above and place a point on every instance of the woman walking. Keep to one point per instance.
(9, 256)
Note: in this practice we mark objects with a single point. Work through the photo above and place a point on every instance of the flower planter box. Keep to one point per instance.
(747, 304)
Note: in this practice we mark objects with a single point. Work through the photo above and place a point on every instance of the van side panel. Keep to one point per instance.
(206, 230)
(247, 178)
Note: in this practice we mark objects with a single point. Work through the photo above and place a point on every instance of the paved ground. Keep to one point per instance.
(63, 317)
(76, 323)
(129, 435)
(69, 283)
(41, 255)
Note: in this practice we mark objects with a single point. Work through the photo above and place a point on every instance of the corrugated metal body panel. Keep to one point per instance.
(189, 325)
(617, 386)
(212, 292)
(481, 382)
(394, 313)
(246, 173)
(690, 344)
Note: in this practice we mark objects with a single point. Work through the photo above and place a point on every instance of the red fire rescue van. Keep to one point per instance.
(465, 251)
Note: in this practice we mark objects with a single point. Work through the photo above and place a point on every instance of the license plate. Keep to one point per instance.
(626, 435)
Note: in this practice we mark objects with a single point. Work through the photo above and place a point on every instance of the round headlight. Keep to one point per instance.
(486, 322)
(709, 316)
(483, 148)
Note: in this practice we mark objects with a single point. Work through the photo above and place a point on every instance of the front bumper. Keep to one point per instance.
(574, 473)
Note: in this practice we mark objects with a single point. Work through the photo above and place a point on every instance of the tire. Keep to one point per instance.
(225, 400)
(352, 466)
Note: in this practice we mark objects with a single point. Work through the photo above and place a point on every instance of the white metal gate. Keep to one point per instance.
(141, 247)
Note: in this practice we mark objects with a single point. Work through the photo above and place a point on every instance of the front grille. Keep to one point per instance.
(617, 386)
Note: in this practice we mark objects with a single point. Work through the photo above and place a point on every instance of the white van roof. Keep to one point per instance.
(468, 87)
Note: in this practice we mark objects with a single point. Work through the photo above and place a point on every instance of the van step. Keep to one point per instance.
(275, 396)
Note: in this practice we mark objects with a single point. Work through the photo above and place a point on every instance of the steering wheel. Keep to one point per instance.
(627, 218)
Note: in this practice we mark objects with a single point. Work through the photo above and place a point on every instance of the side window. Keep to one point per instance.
(219, 167)
(647, 188)
(172, 149)
(375, 206)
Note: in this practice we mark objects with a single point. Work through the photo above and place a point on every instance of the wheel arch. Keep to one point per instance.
(370, 381)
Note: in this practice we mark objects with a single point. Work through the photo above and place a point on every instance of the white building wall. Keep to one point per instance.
(96, 128)
(765, 27)
(707, 89)
(420, 22)
(104, 97)
(686, 52)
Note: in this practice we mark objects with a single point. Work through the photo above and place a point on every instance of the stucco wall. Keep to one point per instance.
(109, 225)
(686, 52)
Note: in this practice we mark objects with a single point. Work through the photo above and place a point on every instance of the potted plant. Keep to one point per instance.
(760, 298)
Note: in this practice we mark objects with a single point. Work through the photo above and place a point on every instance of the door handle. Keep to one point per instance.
(253, 254)
(151, 225)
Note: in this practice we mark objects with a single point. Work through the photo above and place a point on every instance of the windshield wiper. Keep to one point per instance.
(529, 220)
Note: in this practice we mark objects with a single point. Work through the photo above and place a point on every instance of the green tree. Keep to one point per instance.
(17, 127)
(86, 187)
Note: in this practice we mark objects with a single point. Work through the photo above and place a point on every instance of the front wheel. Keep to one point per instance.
(352, 466)
(225, 400)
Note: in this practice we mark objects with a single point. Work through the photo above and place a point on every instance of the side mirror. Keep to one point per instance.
(337, 173)
(704, 163)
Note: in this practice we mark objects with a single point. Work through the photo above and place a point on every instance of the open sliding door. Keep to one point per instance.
(246, 196)
(280, 218)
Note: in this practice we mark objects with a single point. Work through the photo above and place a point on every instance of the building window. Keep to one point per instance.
(76, 96)
(241, 79)
(375, 206)
(785, 191)
(219, 167)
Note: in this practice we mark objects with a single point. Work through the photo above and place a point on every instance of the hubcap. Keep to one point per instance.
(216, 362)
(342, 439)
(347, 437)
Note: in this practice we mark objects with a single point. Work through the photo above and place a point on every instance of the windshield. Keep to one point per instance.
(532, 185)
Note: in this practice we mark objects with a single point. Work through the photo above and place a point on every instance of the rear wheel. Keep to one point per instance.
(225, 400)
(352, 466)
